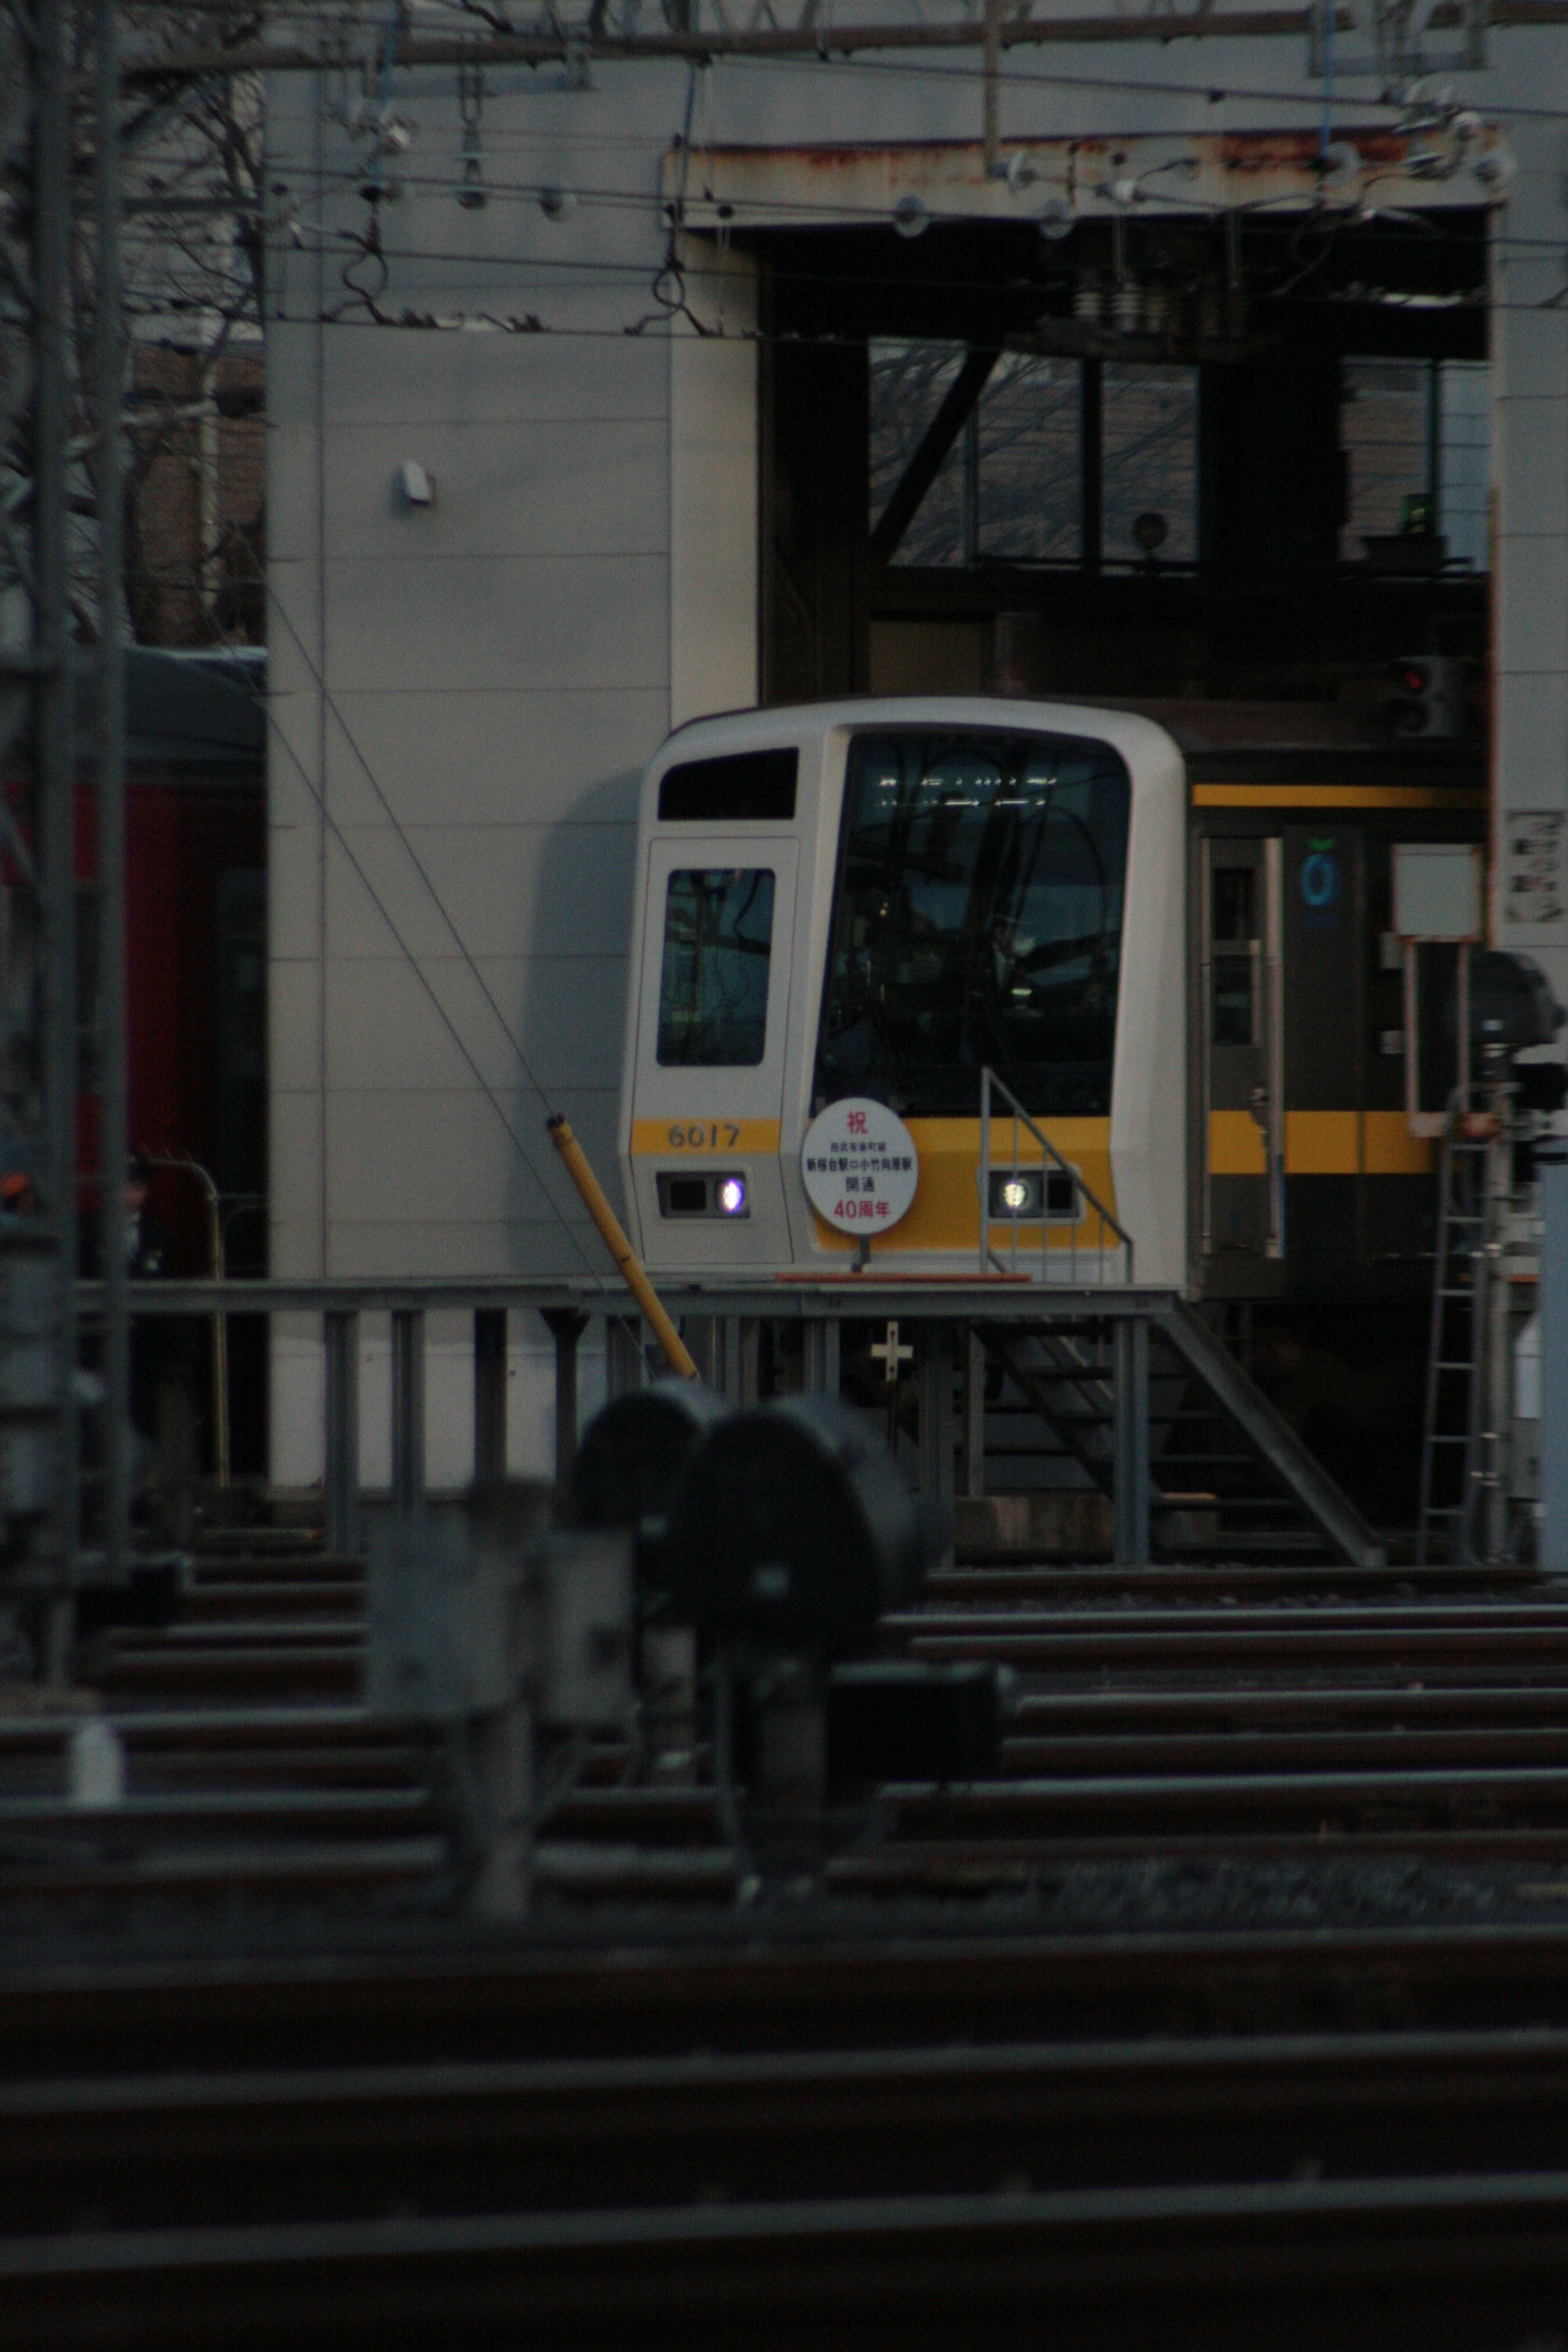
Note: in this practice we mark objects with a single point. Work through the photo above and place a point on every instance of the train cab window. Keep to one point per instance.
(1234, 949)
(741, 787)
(714, 986)
(979, 921)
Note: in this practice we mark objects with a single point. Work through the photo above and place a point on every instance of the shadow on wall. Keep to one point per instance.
(574, 1019)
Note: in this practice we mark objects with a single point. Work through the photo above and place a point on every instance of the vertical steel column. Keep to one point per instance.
(936, 1411)
(748, 1354)
(111, 783)
(1132, 1458)
(57, 805)
(701, 1335)
(567, 1325)
(408, 1411)
(730, 1383)
(820, 1356)
(489, 1395)
(623, 1354)
(342, 1435)
(1496, 1398)
(973, 1447)
(1553, 1542)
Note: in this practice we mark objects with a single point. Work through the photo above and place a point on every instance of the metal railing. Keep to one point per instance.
(722, 1323)
(1023, 1208)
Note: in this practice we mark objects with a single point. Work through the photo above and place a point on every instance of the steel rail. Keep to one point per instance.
(1016, 1582)
(1270, 1708)
(1530, 1652)
(1400, 2258)
(764, 1981)
(1144, 1754)
(1508, 1616)
(330, 2143)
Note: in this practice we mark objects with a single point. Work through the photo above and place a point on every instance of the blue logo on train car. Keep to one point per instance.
(1321, 883)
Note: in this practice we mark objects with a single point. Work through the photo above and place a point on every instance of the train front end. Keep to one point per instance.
(856, 925)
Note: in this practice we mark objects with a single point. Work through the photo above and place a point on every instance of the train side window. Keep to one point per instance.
(714, 986)
(1234, 926)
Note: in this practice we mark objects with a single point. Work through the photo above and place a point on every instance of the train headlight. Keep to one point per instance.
(1032, 1194)
(681, 1194)
(1016, 1193)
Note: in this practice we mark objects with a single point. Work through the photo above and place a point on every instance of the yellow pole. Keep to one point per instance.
(620, 1249)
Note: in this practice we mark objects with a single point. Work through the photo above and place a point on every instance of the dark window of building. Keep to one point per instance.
(1149, 461)
(1417, 441)
(1011, 488)
(713, 990)
(979, 921)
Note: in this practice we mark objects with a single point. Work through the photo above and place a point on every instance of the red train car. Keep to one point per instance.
(195, 918)
(195, 980)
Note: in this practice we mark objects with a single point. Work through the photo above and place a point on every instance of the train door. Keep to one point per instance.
(714, 1007)
(1243, 1028)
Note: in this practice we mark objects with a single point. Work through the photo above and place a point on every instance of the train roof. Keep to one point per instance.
(1127, 729)
(194, 711)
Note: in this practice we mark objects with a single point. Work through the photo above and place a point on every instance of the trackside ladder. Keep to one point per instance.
(1451, 1445)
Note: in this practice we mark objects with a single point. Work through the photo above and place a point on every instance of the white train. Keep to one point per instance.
(879, 901)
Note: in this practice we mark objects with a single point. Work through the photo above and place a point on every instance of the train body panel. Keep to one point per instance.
(1333, 1194)
(879, 897)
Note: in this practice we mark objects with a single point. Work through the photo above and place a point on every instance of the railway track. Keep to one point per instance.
(1181, 1713)
(918, 2112)
(872, 2136)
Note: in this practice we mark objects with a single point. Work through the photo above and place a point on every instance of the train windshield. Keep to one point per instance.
(979, 921)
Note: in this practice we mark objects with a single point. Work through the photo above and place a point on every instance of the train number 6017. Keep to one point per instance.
(718, 1135)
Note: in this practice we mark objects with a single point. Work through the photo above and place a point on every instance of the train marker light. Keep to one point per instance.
(733, 1195)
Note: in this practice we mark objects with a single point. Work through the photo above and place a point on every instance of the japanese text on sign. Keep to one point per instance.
(859, 1165)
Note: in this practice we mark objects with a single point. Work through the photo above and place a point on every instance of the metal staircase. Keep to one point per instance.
(1230, 1478)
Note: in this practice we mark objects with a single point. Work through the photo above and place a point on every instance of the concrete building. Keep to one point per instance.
(642, 385)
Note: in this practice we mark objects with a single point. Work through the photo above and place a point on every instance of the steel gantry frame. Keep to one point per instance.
(61, 737)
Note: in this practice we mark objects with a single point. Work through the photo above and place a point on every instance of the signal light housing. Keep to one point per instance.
(1428, 697)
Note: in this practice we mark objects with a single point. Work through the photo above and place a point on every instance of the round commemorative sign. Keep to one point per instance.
(860, 1167)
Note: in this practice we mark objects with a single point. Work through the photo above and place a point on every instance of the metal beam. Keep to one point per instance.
(111, 786)
(489, 1395)
(1132, 1443)
(820, 1357)
(818, 39)
(343, 1433)
(54, 746)
(408, 1411)
(567, 1325)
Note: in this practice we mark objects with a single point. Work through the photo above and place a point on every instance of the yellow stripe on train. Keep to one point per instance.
(1320, 1143)
(946, 1211)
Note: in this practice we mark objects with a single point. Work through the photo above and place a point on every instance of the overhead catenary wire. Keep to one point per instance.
(825, 49)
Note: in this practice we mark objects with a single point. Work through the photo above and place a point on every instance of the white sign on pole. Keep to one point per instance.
(1535, 872)
(859, 1166)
